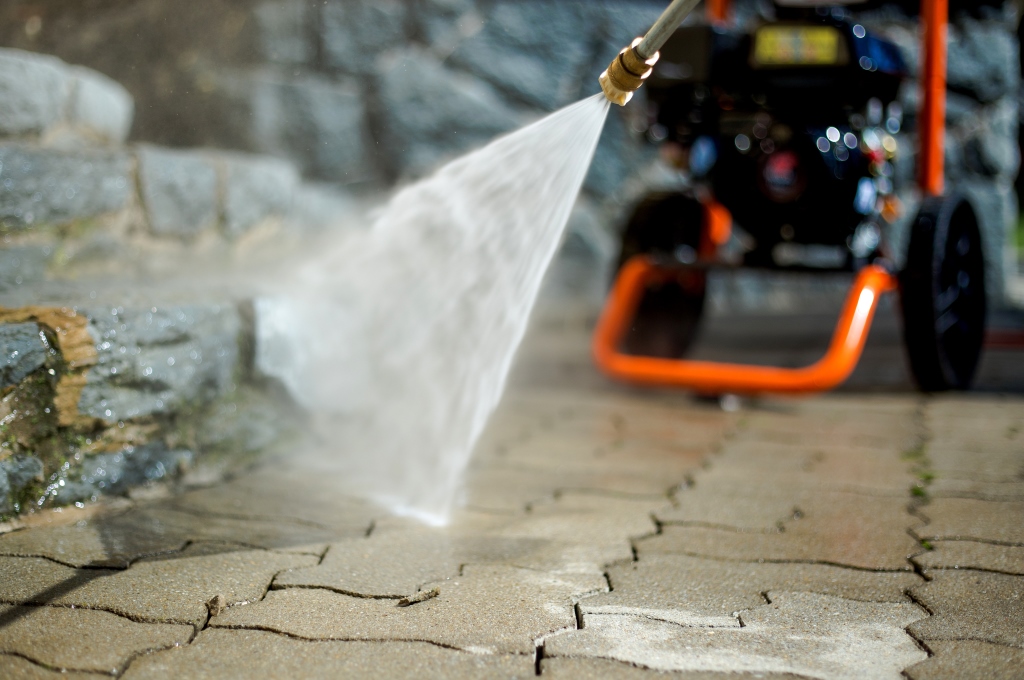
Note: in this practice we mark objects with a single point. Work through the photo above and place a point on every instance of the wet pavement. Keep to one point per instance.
(606, 531)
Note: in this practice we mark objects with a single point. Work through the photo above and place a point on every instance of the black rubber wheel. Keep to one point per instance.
(943, 295)
(666, 225)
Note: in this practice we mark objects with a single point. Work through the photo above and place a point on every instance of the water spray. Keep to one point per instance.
(634, 63)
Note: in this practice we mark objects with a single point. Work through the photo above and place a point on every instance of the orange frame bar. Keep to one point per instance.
(713, 377)
(717, 11)
(935, 15)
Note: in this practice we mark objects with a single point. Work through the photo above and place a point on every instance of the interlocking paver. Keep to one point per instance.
(704, 592)
(285, 492)
(834, 527)
(972, 605)
(82, 639)
(17, 668)
(966, 518)
(1008, 559)
(173, 588)
(219, 654)
(492, 609)
(728, 500)
(969, 660)
(800, 633)
(396, 564)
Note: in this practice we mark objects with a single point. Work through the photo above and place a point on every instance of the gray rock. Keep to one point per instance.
(115, 473)
(983, 59)
(100, 107)
(33, 92)
(5, 492)
(256, 188)
(158, 362)
(284, 30)
(48, 186)
(438, 21)
(23, 265)
(317, 122)
(996, 208)
(993, 150)
(179, 190)
(537, 51)
(356, 32)
(23, 349)
(16, 473)
(21, 470)
(430, 111)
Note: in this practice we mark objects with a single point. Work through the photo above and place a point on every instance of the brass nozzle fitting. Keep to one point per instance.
(626, 74)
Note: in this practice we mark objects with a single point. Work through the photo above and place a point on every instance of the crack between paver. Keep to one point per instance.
(59, 669)
(826, 563)
(956, 538)
(719, 527)
(340, 591)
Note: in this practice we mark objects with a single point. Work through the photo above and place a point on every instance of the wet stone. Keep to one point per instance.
(23, 349)
(82, 639)
(101, 108)
(219, 654)
(972, 605)
(695, 591)
(179, 190)
(485, 609)
(158, 360)
(969, 660)
(973, 555)
(965, 518)
(50, 186)
(800, 633)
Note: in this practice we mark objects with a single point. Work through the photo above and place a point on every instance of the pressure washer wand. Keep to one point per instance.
(633, 64)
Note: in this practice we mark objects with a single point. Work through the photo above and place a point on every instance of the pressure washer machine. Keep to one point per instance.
(790, 131)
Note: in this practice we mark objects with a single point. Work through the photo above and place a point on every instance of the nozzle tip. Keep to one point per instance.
(626, 74)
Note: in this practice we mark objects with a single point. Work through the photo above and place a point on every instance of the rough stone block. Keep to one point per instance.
(534, 51)
(442, 23)
(82, 639)
(982, 57)
(316, 122)
(355, 32)
(431, 112)
(23, 349)
(968, 660)
(116, 473)
(179, 190)
(804, 634)
(34, 90)
(49, 186)
(488, 610)
(158, 360)
(218, 653)
(972, 605)
(100, 106)
(285, 31)
(256, 188)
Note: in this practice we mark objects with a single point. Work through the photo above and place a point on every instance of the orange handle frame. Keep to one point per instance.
(705, 376)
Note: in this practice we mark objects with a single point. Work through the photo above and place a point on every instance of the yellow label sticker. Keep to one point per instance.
(797, 46)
